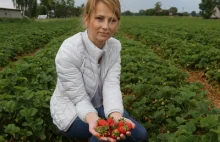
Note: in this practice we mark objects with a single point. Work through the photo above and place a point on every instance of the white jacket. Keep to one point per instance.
(77, 79)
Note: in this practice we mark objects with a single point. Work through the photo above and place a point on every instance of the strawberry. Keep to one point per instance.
(103, 130)
(102, 122)
(129, 126)
(121, 122)
(122, 129)
(115, 133)
(111, 122)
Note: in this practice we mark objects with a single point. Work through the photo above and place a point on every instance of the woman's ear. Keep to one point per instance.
(85, 20)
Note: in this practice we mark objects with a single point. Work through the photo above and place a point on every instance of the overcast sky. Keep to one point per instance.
(136, 5)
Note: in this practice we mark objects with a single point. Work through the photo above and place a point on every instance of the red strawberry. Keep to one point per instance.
(121, 122)
(129, 126)
(115, 133)
(102, 122)
(122, 129)
(111, 122)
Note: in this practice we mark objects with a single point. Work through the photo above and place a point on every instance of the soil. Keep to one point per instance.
(213, 91)
(17, 58)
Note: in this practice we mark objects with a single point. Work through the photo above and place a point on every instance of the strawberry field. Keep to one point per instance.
(25, 36)
(155, 88)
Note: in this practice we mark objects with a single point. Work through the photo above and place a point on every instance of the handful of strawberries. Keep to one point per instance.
(109, 128)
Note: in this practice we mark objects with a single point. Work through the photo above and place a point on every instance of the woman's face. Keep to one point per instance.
(101, 25)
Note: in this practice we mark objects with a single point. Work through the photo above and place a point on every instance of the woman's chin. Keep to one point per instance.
(103, 39)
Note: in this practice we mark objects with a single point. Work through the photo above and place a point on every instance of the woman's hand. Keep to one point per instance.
(117, 116)
(91, 119)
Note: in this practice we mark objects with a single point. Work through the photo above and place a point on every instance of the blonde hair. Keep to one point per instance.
(112, 4)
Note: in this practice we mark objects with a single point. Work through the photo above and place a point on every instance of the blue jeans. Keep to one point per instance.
(80, 129)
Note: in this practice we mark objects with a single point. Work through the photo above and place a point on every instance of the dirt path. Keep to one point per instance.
(213, 92)
(17, 58)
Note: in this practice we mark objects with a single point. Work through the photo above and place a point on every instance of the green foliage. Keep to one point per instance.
(181, 41)
(26, 37)
(173, 10)
(26, 87)
(158, 6)
(207, 8)
(193, 13)
(157, 95)
(150, 12)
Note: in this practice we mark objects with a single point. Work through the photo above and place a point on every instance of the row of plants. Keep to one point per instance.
(192, 44)
(157, 94)
(25, 90)
(21, 37)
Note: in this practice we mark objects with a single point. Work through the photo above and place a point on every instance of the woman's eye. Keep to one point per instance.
(99, 18)
(113, 20)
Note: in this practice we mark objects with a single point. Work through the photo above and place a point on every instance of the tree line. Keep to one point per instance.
(158, 11)
(66, 8)
(206, 7)
(51, 8)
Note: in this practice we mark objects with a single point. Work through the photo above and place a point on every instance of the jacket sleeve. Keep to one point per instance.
(112, 97)
(70, 80)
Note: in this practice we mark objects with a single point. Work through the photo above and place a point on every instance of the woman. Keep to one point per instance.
(88, 82)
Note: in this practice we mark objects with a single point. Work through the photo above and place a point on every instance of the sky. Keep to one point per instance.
(136, 5)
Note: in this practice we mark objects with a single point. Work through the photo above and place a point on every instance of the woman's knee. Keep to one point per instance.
(140, 133)
(143, 134)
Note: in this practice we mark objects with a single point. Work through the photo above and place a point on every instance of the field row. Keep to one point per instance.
(193, 44)
(25, 90)
(22, 37)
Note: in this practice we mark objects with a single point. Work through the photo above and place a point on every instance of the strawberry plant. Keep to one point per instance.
(26, 87)
(25, 37)
(184, 45)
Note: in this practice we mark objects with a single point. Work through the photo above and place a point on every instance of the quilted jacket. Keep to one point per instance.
(77, 79)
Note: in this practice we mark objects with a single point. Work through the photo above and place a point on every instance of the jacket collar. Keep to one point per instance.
(94, 52)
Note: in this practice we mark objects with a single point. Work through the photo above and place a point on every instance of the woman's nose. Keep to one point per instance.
(105, 24)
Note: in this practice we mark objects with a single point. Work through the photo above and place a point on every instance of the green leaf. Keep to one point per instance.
(209, 121)
(182, 139)
(189, 127)
(11, 129)
(216, 131)
(187, 95)
(180, 120)
(203, 106)
(209, 137)
(9, 106)
(28, 133)
(173, 110)
(2, 139)
(42, 136)
(28, 112)
(159, 114)
(20, 88)
(178, 99)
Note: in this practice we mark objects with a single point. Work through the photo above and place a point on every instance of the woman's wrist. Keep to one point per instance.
(91, 117)
(115, 115)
